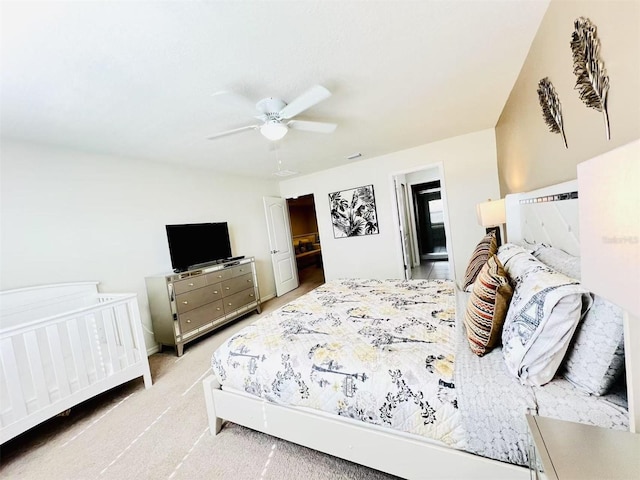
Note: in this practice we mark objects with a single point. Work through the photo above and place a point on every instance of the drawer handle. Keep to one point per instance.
(227, 288)
(185, 302)
(188, 321)
(230, 304)
(191, 284)
(251, 294)
(248, 280)
(218, 308)
(215, 291)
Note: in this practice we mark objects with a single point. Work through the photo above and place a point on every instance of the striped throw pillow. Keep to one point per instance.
(488, 246)
(487, 307)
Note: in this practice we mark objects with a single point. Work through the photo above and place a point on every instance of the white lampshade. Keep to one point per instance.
(491, 213)
(609, 205)
(274, 130)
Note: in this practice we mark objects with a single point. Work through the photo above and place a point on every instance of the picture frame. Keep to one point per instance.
(353, 212)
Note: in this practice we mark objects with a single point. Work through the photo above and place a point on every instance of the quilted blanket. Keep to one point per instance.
(381, 352)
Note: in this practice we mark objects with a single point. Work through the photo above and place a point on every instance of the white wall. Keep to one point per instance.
(470, 176)
(70, 216)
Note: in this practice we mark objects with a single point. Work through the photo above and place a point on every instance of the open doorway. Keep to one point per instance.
(432, 239)
(306, 241)
(422, 205)
(430, 231)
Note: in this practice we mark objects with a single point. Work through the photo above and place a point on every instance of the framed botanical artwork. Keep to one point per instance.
(353, 212)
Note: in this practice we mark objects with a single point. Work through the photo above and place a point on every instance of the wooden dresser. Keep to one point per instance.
(187, 305)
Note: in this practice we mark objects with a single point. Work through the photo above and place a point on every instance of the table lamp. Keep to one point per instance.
(492, 215)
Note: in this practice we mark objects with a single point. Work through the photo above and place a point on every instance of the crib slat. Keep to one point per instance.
(89, 323)
(62, 379)
(123, 319)
(10, 368)
(136, 326)
(76, 352)
(35, 366)
(109, 320)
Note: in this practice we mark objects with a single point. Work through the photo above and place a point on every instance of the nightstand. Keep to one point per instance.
(567, 450)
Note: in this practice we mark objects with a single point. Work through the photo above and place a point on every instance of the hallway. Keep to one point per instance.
(430, 270)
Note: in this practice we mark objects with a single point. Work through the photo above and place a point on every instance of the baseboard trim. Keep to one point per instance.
(155, 349)
(267, 297)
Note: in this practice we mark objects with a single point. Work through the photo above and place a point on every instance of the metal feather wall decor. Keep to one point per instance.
(592, 81)
(551, 108)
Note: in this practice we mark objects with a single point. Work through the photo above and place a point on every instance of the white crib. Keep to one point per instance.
(61, 345)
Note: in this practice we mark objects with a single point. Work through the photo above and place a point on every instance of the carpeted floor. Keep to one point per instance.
(162, 433)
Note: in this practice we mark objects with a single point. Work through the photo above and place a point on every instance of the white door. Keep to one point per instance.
(280, 244)
(401, 200)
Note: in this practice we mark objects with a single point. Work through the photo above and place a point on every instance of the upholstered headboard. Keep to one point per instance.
(548, 215)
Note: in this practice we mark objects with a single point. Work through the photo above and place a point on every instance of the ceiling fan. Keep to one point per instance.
(277, 116)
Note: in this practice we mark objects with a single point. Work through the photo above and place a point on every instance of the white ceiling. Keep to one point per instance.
(135, 79)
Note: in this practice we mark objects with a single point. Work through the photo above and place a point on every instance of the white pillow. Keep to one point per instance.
(544, 312)
(508, 250)
(595, 359)
(559, 260)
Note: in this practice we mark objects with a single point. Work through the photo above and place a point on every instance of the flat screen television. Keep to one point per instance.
(197, 243)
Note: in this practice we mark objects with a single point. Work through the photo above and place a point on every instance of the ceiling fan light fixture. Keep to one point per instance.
(273, 130)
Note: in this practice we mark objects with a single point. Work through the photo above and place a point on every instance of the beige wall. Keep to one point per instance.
(529, 156)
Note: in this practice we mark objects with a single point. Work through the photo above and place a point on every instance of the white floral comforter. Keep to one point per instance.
(379, 352)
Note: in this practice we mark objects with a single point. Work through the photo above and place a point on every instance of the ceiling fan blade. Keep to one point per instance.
(308, 99)
(235, 130)
(237, 100)
(318, 127)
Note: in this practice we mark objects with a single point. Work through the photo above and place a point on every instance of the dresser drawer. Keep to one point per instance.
(188, 284)
(220, 275)
(197, 298)
(240, 270)
(199, 316)
(238, 300)
(237, 284)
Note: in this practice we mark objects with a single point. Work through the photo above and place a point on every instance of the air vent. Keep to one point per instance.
(285, 173)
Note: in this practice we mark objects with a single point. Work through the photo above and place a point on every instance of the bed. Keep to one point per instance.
(381, 373)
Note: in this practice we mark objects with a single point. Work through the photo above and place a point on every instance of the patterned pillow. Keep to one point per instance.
(595, 359)
(544, 312)
(487, 307)
(486, 247)
(559, 260)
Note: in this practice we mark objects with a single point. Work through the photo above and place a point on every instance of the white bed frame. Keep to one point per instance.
(408, 456)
